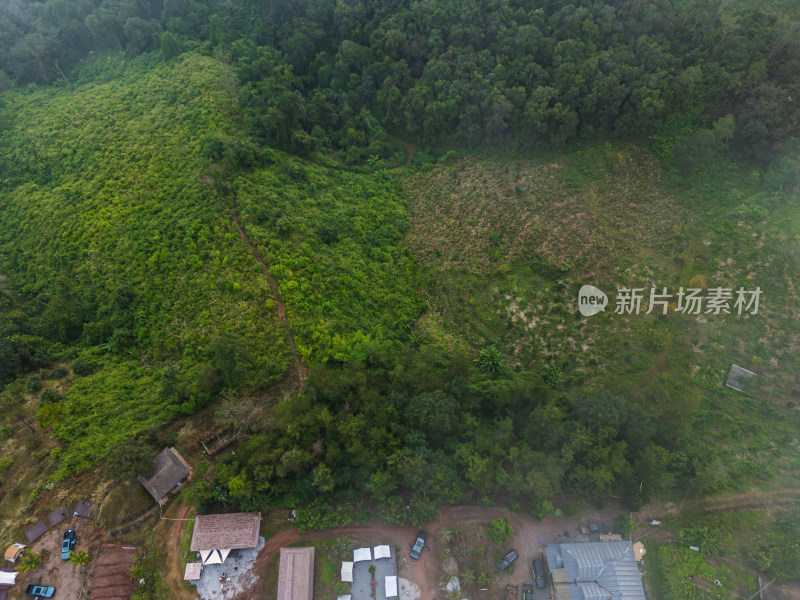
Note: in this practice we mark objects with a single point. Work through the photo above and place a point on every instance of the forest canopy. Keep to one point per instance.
(513, 73)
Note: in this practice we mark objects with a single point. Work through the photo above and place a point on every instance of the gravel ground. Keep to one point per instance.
(361, 588)
(239, 572)
(408, 589)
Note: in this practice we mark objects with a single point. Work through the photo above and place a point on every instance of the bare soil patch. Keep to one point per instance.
(111, 577)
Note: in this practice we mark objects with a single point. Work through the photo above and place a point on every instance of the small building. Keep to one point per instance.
(296, 574)
(14, 552)
(594, 571)
(382, 552)
(215, 536)
(169, 472)
(192, 572)
(347, 572)
(738, 379)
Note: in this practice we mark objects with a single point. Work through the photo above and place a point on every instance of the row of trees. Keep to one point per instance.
(418, 428)
(323, 73)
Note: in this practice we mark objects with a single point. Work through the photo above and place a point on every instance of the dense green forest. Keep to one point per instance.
(433, 305)
(323, 74)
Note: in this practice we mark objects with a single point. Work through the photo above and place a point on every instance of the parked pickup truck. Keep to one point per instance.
(40, 591)
(507, 560)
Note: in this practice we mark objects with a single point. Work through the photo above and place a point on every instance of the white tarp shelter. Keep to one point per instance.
(362, 554)
(214, 557)
(345, 597)
(382, 552)
(7, 578)
(391, 586)
(347, 572)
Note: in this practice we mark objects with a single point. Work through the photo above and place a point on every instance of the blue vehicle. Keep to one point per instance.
(40, 591)
(419, 544)
(67, 544)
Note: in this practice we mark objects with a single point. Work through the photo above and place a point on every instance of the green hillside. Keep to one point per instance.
(354, 233)
(115, 247)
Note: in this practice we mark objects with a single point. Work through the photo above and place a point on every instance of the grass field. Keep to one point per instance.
(734, 548)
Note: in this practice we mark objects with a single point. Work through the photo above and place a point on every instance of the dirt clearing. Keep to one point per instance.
(111, 579)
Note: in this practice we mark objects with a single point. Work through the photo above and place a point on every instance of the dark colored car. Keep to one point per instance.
(419, 544)
(527, 591)
(67, 544)
(507, 560)
(40, 591)
(538, 573)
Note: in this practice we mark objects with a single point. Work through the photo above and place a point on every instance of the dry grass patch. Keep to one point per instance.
(475, 214)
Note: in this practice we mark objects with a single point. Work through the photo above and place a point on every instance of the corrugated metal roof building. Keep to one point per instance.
(596, 571)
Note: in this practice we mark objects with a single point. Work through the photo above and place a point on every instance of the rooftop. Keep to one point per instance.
(296, 574)
(170, 470)
(738, 379)
(232, 531)
(597, 570)
(192, 572)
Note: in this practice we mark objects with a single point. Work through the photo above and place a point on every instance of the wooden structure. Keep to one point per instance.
(296, 574)
(215, 536)
(170, 470)
(218, 441)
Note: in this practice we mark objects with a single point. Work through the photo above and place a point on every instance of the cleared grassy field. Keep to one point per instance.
(505, 244)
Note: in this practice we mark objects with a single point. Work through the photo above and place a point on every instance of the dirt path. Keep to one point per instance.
(300, 368)
(410, 151)
(171, 549)
(719, 503)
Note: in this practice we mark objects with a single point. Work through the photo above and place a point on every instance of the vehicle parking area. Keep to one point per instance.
(65, 576)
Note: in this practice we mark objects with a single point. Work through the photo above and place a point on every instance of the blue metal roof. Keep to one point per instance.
(598, 570)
